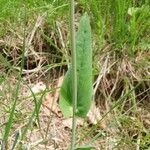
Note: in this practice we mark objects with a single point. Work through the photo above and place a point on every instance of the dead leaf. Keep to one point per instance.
(94, 116)
(68, 122)
(40, 86)
(50, 103)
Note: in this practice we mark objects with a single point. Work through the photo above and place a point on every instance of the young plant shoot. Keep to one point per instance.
(84, 74)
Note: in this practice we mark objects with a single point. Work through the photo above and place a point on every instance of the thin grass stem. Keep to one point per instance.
(74, 91)
(15, 97)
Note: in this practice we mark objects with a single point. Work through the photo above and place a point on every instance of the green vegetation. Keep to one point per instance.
(34, 48)
(84, 74)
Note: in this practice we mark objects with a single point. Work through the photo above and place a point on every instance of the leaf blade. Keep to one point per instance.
(84, 73)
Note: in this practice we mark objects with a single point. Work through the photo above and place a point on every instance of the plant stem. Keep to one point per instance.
(74, 74)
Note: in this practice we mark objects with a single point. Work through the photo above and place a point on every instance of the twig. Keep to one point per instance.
(62, 41)
(37, 25)
(103, 71)
(37, 69)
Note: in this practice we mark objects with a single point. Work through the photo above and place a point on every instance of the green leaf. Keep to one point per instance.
(66, 95)
(85, 148)
(84, 73)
